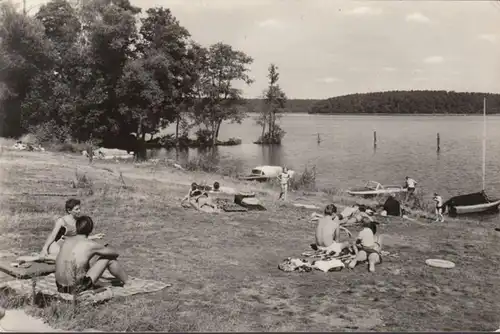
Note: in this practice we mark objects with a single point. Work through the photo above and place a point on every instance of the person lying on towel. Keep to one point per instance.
(199, 199)
(368, 246)
(328, 232)
(63, 228)
(357, 215)
(81, 262)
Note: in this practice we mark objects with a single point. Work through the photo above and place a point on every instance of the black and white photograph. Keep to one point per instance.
(249, 165)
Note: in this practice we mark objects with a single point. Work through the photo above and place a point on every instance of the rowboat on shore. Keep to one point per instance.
(264, 173)
(477, 202)
(471, 203)
(373, 188)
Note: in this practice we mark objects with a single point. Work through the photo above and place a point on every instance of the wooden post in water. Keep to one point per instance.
(438, 142)
(374, 139)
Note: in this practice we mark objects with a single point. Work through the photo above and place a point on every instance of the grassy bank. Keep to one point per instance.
(224, 267)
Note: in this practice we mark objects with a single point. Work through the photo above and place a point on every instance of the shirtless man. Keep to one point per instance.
(328, 231)
(81, 261)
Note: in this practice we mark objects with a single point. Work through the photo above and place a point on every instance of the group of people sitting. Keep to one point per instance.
(80, 261)
(367, 245)
(198, 197)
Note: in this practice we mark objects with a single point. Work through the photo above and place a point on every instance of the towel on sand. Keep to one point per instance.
(104, 290)
(302, 265)
(26, 270)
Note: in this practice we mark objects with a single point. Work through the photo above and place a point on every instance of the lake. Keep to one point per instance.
(406, 145)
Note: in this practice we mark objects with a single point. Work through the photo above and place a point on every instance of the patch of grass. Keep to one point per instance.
(224, 267)
(211, 163)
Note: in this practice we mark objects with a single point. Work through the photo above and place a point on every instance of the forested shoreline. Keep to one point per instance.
(409, 102)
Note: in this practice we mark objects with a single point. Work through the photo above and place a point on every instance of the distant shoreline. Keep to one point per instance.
(381, 114)
(403, 114)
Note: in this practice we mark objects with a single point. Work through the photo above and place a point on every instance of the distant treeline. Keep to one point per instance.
(292, 105)
(408, 102)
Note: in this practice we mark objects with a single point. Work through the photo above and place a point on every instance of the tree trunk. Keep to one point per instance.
(217, 129)
(140, 151)
(214, 133)
(178, 121)
(270, 127)
(264, 121)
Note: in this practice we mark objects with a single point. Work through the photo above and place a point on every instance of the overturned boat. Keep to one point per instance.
(373, 188)
(471, 203)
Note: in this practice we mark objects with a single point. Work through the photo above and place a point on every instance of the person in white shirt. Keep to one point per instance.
(284, 179)
(439, 207)
(367, 247)
(410, 187)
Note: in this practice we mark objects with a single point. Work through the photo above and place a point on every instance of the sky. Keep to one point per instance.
(326, 48)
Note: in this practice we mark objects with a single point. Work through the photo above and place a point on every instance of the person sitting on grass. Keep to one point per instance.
(199, 199)
(81, 261)
(367, 247)
(328, 231)
(63, 228)
(358, 216)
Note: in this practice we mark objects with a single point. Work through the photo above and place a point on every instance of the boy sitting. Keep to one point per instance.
(81, 262)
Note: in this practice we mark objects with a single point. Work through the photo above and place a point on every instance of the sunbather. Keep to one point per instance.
(367, 247)
(64, 227)
(328, 231)
(358, 216)
(81, 262)
(199, 199)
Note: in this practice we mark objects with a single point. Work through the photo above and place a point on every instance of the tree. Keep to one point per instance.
(142, 99)
(218, 99)
(110, 37)
(275, 104)
(25, 54)
(53, 94)
(162, 33)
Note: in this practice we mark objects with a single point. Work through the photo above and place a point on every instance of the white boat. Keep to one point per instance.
(474, 202)
(373, 188)
(264, 173)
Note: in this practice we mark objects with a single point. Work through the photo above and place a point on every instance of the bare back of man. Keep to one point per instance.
(81, 262)
(326, 231)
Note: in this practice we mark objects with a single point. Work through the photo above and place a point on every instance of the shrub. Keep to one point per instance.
(304, 181)
(204, 136)
(230, 142)
(47, 133)
(211, 163)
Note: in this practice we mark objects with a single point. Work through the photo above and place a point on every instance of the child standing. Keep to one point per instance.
(284, 179)
(439, 208)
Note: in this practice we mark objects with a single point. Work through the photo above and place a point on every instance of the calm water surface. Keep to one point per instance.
(406, 145)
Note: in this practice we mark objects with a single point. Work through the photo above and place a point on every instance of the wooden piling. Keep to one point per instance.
(374, 138)
(438, 143)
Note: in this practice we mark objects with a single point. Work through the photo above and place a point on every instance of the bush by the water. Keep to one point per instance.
(304, 181)
(183, 141)
(211, 163)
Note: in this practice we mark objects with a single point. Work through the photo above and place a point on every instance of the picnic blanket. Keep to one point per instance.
(27, 270)
(104, 289)
(320, 260)
(229, 206)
